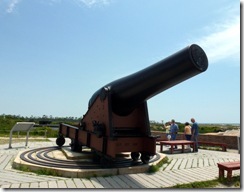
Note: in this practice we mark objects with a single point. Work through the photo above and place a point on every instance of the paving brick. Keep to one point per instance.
(129, 182)
(173, 176)
(15, 185)
(3, 157)
(196, 177)
(211, 162)
(43, 184)
(194, 163)
(34, 185)
(186, 178)
(5, 161)
(70, 183)
(61, 184)
(177, 164)
(149, 178)
(139, 179)
(104, 182)
(112, 182)
(200, 162)
(215, 161)
(88, 183)
(171, 164)
(205, 173)
(158, 179)
(5, 186)
(52, 184)
(3, 183)
(183, 164)
(120, 182)
(24, 185)
(96, 183)
(14, 177)
(206, 162)
(164, 180)
(189, 163)
(78, 182)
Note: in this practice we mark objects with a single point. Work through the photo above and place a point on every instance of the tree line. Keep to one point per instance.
(8, 121)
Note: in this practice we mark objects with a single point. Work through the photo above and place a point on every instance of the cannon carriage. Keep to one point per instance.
(117, 118)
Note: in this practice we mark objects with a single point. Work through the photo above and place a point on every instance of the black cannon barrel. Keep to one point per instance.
(130, 91)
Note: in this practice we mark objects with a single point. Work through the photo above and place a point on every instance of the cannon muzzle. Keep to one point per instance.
(130, 91)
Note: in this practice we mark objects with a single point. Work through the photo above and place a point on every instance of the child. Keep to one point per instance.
(167, 128)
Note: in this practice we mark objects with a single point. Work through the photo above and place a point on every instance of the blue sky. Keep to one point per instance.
(56, 53)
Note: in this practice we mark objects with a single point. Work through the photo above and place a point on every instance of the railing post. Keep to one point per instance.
(10, 139)
(27, 137)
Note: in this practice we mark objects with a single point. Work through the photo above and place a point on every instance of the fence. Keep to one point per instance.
(230, 141)
(34, 132)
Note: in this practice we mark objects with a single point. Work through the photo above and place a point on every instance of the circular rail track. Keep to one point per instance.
(43, 157)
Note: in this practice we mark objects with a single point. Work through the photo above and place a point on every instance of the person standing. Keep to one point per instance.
(167, 128)
(173, 130)
(194, 132)
(187, 131)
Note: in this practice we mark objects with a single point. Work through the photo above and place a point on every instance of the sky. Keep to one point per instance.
(54, 54)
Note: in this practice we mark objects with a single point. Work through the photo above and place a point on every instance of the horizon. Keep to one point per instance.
(53, 117)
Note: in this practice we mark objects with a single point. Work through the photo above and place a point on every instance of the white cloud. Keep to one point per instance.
(222, 39)
(223, 42)
(11, 5)
(90, 3)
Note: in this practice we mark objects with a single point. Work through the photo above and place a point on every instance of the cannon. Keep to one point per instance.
(117, 118)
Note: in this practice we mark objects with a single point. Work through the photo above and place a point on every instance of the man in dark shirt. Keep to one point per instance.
(194, 131)
(173, 130)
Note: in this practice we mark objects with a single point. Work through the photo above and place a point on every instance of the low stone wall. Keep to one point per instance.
(230, 141)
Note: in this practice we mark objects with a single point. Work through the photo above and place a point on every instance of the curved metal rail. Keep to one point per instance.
(41, 156)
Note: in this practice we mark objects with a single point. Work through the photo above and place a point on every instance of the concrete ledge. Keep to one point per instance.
(79, 173)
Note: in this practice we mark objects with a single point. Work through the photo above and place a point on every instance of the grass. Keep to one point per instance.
(217, 183)
(5, 140)
(235, 182)
(43, 171)
(46, 172)
(23, 168)
(199, 185)
(155, 168)
(210, 148)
